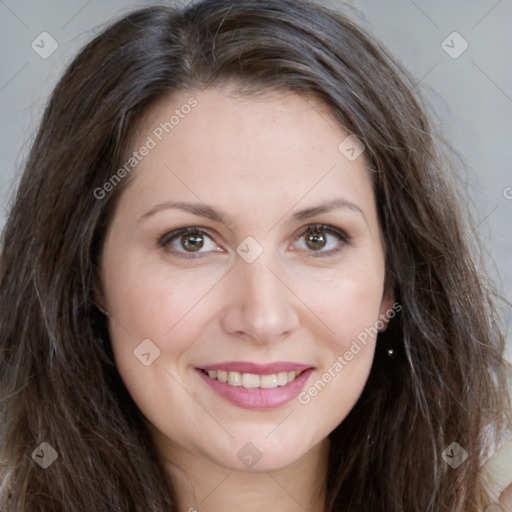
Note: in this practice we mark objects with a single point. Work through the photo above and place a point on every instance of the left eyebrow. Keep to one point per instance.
(335, 204)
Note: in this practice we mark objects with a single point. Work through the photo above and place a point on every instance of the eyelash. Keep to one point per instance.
(169, 237)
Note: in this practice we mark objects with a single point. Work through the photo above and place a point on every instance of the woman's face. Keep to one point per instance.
(280, 270)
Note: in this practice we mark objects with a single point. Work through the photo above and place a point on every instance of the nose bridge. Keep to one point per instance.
(259, 288)
(259, 283)
(260, 304)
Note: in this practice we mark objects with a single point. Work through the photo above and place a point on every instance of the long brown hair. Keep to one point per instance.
(57, 385)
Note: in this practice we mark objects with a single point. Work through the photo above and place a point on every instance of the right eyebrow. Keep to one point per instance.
(199, 209)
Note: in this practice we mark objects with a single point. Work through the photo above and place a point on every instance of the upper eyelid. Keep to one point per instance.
(323, 227)
(173, 233)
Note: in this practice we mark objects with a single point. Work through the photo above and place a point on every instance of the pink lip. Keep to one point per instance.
(257, 369)
(258, 398)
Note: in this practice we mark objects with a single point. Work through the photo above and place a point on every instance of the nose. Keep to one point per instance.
(261, 306)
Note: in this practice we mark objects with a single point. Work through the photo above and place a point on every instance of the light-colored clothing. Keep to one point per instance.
(497, 471)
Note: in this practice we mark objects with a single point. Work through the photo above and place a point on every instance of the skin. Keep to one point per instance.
(259, 160)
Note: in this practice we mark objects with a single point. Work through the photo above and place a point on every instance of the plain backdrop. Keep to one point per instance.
(459, 51)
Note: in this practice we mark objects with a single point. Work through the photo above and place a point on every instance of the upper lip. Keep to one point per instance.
(255, 368)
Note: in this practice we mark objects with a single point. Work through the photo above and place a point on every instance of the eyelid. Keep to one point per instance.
(324, 227)
(175, 233)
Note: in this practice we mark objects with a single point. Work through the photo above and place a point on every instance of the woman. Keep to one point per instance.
(235, 276)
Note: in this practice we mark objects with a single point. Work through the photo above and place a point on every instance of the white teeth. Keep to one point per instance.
(269, 381)
(251, 380)
(235, 378)
(282, 378)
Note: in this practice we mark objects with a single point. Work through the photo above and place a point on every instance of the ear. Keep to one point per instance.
(388, 309)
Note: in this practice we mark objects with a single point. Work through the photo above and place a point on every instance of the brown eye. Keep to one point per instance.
(189, 241)
(192, 242)
(322, 240)
(315, 240)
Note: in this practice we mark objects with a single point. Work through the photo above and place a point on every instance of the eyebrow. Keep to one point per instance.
(203, 210)
(199, 209)
(335, 204)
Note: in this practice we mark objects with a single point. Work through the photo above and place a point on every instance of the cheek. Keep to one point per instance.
(348, 299)
(348, 304)
(352, 311)
(150, 300)
(154, 318)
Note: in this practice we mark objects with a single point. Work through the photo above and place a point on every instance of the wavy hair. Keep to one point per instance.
(59, 386)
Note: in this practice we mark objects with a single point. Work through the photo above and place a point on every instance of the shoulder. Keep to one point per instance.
(497, 476)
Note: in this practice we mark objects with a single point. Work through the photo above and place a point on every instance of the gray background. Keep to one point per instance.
(471, 94)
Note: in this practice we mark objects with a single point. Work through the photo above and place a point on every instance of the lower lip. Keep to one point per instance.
(258, 398)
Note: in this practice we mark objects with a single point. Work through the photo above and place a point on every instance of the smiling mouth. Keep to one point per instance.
(251, 380)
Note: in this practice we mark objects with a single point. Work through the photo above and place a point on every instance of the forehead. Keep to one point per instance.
(217, 146)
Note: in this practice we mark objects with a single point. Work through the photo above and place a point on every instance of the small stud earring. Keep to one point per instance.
(390, 352)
